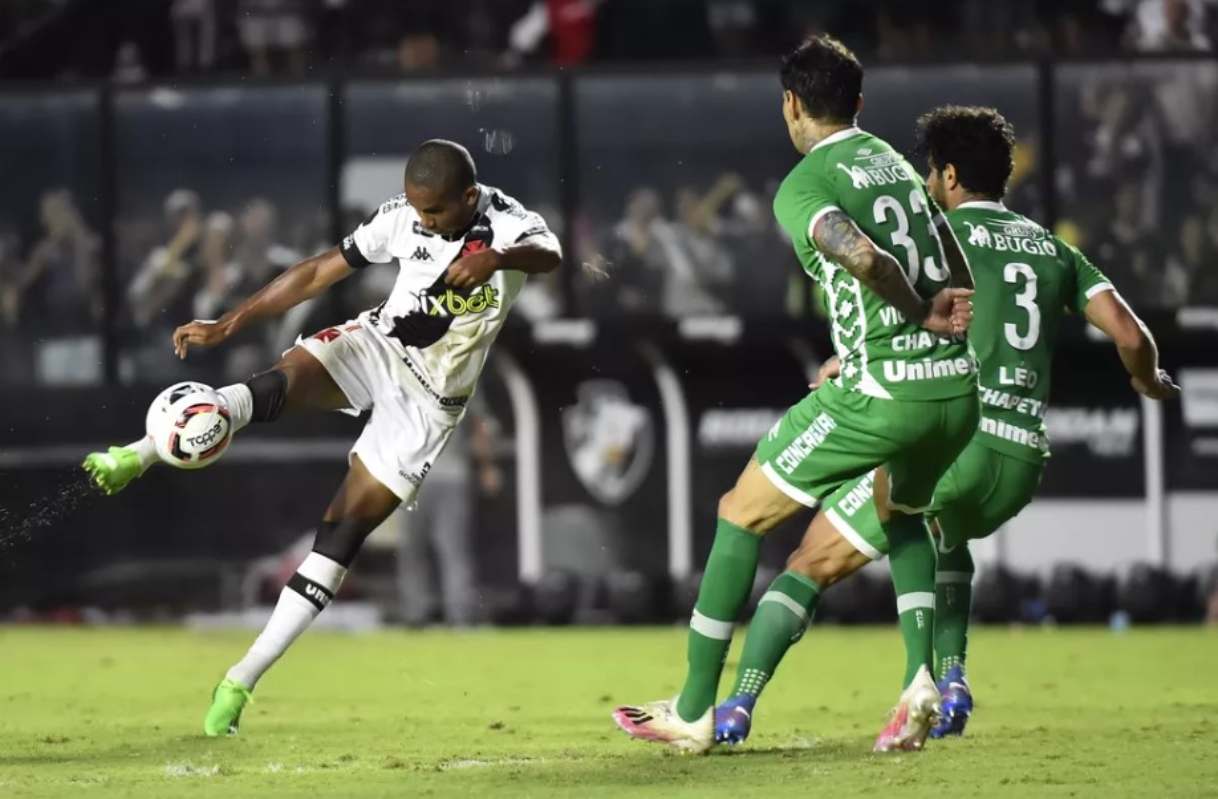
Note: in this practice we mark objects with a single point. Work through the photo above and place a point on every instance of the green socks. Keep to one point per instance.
(784, 612)
(912, 557)
(725, 588)
(953, 601)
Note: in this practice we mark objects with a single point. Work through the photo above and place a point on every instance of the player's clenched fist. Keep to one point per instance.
(950, 313)
(1161, 388)
(199, 333)
(473, 269)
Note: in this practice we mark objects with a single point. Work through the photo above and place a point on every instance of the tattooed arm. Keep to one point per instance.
(836, 235)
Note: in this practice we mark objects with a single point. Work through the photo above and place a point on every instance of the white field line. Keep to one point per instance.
(453, 765)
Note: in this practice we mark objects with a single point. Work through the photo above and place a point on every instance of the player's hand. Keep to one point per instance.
(473, 270)
(202, 333)
(950, 313)
(1162, 388)
(827, 371)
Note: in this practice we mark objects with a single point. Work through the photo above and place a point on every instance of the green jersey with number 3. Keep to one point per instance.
(1027, 279)
(882, 354)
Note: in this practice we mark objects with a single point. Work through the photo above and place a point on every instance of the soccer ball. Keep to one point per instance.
(189, 424)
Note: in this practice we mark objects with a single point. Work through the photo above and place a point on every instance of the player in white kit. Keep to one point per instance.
(463, 251)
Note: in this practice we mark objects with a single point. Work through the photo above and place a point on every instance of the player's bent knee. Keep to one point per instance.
(340, 541)
(726, 507)
(736, 508)
(270, 392)
(826, 566)
(755, 511)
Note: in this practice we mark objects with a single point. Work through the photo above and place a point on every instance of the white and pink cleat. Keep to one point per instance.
(660, 722)
(912, 718)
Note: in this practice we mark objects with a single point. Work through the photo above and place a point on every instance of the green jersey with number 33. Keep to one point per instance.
(1027, 279)
(882, 354)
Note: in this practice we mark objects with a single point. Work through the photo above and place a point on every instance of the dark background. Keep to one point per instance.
(117, 134)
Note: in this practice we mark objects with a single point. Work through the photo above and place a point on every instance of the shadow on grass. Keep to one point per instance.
(150, 751)
(830, 749)
(653, 766)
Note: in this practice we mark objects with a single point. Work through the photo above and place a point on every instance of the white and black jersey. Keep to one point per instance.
(442, 334)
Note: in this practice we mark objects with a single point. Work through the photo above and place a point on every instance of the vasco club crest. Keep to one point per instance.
(610, 441)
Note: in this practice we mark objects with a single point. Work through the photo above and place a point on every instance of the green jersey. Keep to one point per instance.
(882, 354)
(1027, 279)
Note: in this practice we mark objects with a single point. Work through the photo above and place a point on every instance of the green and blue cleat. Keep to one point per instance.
(227, 701)
(734, 719)
(957, 704)
(112, 470)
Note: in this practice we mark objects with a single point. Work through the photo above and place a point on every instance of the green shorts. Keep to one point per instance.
(833, 436)
(983, 490)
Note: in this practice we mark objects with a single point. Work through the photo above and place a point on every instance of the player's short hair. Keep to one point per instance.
(441, 165)
(976, 140)
(826, 77)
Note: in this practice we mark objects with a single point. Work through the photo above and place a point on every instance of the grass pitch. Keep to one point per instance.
(494, 713)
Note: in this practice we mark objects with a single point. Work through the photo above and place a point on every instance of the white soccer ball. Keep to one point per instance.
(189, 424)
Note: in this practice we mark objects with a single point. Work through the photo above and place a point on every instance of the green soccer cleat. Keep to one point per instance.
(227, 702)
(113, 469)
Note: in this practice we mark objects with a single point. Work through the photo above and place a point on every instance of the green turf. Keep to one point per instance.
(526, 713)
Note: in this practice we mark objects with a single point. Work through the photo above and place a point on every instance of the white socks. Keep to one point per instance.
(147, 452)
(306, 595)
(240, 402)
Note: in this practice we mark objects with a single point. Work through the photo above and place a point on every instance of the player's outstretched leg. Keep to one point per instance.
(686, 721)
(114, 469)
(117, 467)
(298, 382)
(953, 601)
(785, 611)
(746, 513)
(360, 505)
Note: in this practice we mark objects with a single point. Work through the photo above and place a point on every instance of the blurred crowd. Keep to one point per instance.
(133, 40)
(693, 255)
(55, 282)
(1136, 188)
(194, 262)
(1135, 181)
(1138, 178)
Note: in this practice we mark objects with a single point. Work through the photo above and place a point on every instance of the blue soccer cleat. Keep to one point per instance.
(957, 704)
(734, 719)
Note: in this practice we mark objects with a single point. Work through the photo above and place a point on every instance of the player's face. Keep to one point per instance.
(441, 213)
(790, 115)
(934, 185)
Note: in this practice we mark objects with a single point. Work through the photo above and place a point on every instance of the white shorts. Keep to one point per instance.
(402, 438)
